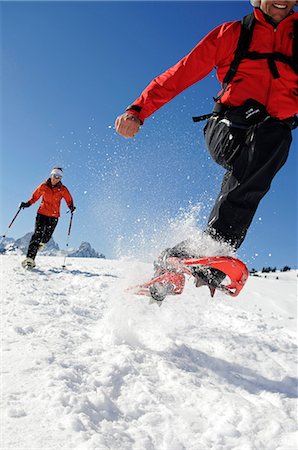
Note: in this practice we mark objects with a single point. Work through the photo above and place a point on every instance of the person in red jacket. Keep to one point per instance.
(52, 191)
(249, 132)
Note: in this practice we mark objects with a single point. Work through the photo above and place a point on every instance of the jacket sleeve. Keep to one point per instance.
(207, 54)
(36, 194)
(67, 197)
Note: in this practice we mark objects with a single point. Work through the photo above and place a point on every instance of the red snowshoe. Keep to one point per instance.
(222, 273)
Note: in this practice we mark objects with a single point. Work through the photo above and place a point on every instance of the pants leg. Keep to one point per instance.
(44, 228)
(248, 180)
(49, 229)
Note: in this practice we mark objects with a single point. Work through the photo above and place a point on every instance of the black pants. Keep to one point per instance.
(44, 228)
(251, 168)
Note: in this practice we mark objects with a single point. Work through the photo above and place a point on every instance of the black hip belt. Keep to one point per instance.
(219, 110)
(250, 113)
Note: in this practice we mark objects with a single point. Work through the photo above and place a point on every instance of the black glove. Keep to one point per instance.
(24, 205)
(72, 208)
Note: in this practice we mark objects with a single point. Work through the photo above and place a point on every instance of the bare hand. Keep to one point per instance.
(127, 125)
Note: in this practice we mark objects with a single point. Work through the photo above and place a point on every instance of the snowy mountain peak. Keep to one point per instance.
(85, 251)
(12, 246)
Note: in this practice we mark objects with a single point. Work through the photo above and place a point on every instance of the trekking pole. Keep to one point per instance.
(4, 235)
(68, 234)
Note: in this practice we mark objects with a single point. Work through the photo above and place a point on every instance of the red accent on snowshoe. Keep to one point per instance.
(235, 269)
(174, 278)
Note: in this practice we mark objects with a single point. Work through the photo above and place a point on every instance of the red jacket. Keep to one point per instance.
(253, 78)
(51, 198)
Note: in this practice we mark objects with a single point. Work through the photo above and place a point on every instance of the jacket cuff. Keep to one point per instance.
(135, 110)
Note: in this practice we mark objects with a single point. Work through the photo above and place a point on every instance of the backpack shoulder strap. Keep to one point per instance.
(295, 46)
(245, 37)
(247, 27)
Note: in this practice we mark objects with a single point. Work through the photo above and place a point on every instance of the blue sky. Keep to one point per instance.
(68, 69)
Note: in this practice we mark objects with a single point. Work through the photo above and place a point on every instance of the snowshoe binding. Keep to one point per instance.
(206, 276)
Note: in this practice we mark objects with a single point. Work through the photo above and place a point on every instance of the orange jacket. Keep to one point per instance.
(51, 198)
(253, 78)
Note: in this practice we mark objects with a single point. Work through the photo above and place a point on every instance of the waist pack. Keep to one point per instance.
(227, 131)
(244, 116)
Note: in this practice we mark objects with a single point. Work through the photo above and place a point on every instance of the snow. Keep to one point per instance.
(88, 365)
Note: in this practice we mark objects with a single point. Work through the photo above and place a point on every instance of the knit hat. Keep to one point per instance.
(57, 172)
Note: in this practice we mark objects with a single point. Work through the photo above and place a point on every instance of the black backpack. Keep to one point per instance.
(242, 52)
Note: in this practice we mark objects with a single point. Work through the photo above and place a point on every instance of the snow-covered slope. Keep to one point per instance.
(88, 365)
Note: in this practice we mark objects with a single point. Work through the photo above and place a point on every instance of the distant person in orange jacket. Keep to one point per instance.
(249, 131)
(52, 191)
